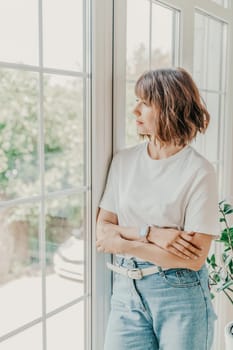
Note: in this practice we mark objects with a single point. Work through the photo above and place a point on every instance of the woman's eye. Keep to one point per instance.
(138, 100)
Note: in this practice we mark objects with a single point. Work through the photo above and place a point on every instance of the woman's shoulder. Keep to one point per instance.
(200, 162)
(130, 152)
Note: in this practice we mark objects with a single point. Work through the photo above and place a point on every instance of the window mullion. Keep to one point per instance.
(42, 228)
(102, 63)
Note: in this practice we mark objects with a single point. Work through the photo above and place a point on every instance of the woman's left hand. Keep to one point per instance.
(110, 244)
(177, 242)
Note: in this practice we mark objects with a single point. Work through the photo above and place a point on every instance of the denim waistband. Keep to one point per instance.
(132, 262)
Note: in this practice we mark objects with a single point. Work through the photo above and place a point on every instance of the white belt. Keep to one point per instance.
(134, 273)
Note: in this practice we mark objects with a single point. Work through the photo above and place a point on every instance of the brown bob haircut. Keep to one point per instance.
(181, 111)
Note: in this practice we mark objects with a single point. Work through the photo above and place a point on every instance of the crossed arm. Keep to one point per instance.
(166, 247)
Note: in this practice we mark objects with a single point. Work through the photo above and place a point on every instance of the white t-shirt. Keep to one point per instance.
(179, 191)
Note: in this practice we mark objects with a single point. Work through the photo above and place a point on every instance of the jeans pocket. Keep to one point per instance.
(181, 278)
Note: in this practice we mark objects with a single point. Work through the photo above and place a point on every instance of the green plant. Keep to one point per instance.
(221, 268)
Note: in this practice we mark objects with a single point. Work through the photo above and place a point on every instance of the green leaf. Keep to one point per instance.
(226, 230)
(226, 208)
(223, 238)
(228, 260)
(212, 296)
(227, 249)
(217, 277)
(229, 211)
(230, 266)
(222, 219)
(225, 285)
(212, 259)
(226, 237)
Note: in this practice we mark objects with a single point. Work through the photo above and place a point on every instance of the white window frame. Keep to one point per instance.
(41, 198)
(102, 150)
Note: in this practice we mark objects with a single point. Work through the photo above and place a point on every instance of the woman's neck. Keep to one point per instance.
(155, 152)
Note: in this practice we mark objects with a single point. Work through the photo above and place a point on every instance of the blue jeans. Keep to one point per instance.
(168, 310)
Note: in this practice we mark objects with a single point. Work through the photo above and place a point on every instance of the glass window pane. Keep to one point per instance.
(212, 132)
(208, 44)
(138, 13)
(20, 272)
(65, 239)
(198, 142)
(162, 37)
(29, 339)
(64, 151)
(224, 3)
(65, 136)
(210, 49)
(66, 329)
(161, 44)
(19, 31)
(19, 169)
(214, 50)
(200, 50)
(208, 144)
(219, 2)
(63, 34)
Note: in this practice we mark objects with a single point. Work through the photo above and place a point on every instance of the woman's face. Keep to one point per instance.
(145, 117)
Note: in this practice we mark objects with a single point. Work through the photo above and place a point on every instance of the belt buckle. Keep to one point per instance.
(135, 274)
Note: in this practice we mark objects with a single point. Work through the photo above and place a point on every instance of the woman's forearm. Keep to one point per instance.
(129, 242)
(129, 233)
(158, 256)
(172, 240)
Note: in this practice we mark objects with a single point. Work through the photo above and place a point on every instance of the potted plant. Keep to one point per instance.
(221, 268)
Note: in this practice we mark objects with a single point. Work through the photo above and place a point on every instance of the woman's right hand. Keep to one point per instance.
(175, 241)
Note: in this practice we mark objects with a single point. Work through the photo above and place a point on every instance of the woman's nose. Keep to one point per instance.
(135, 110)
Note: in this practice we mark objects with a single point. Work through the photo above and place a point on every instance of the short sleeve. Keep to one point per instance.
(109, 197)
(202, 214)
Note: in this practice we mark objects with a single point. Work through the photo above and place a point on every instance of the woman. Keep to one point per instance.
(158, 216)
